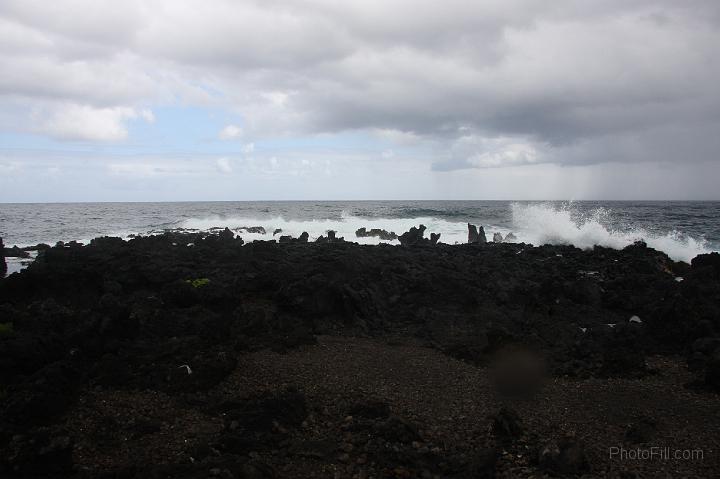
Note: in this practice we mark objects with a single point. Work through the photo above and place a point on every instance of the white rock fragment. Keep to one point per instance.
(584, 330)
(679, 278)
(635, 319)
(187, 368)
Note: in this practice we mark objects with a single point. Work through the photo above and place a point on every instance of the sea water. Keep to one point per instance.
(680, 229)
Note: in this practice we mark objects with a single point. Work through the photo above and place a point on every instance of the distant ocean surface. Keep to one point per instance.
(680, 229)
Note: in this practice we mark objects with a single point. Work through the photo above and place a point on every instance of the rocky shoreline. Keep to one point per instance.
(196, 355)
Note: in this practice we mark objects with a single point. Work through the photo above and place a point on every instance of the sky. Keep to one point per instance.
(170, 100)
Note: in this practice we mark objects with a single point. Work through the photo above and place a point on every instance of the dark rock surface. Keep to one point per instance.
(330, 238)
(416, 237)
(173, 315)
(254, 229)
(506, 425)
(3, 265)
(376, 233)
(476, 234)
(541, 297)
(565, 457)
(15, 252)
(472, 234)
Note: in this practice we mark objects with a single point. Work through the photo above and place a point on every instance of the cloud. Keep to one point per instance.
(224, 166)
(147, 115)
(230, 132)
(472, 84)
(82, 122)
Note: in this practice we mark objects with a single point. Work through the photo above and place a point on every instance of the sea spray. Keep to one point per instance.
(678, 228)
(552, 224)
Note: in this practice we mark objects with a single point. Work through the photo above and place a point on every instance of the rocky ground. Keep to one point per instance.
(193, 356)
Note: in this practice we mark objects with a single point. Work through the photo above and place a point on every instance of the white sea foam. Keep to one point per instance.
(531, 223)
(344, 227)
(534, 223)
(542, 224)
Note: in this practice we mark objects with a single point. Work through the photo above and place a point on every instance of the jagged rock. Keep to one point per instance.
(476, 234)
(434, 238)
(376, 232)
(497, 238)
(303, 238)
(278, 230)
(623, 353)
(706, 265)
(413, 237)
(226, 234)
(135, 313)
(16, 252)
(472, 234)
(331, 238)
(510, 238)
(3, 265)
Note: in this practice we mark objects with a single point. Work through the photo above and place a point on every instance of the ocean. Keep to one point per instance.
(680, 229)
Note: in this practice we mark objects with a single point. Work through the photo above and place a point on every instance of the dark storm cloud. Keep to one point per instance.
(484, 84)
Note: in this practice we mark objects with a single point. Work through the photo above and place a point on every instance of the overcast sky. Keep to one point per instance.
(372, 99)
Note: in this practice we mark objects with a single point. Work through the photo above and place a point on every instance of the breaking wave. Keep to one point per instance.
(548, 224)
(531, 223)
(345, 226)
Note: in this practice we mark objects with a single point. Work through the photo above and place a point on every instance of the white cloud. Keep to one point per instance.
(230, 132)
(248, 148)
(224, 166)
(147, 115)
(83, 122)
